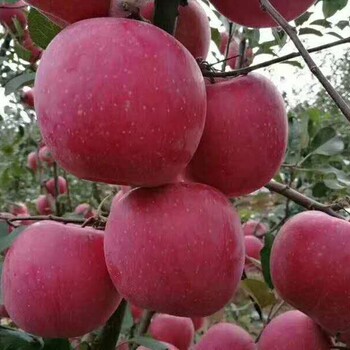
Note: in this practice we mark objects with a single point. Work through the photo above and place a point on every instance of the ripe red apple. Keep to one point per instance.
(254, 228)
(136, 313)
(193, 29)
(253, 246)
(45, 156)
(11, 12)
(175, 249)
(169, 347)
(178, 331)
(19, 209)
(65, 12)
(199, 323)
(293, 330)
(62, 186)
(150, 131)
(55, 282)
(245, 136)
(84, 209)
(309, 268)
(250, 14)
(43, 205)
(233, 52)
(226, 336)
(32, 161)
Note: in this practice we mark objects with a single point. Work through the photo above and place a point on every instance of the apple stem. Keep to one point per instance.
(242, 52)
(108, 338)
(291, 32)
(165, 15)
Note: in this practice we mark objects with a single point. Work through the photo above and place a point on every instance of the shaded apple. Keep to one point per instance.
(226, 336)
(178, 331)
(150, 131)
(253, 246)
(19, 209)
(62, 186)
(32, 161)
(85, 210)
(175, 249)
(45, 156)
(12, 12)
(52, 274)
(245, 136)
(293, 330)
(136, 313)
(309, 268)
(192, 30)
(44, 205)
(250, 14)
(254, 228)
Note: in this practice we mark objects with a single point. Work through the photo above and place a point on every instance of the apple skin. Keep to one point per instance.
(293, 330)
(65, 12)
(43, 205)
(254, 228)
(84, 209)
(178, 331)
(318, 245)
(45, 156)
(226, 336)
(233, 52)
(147, 141)
(253, 246)
(250, 14)
(199, 323)
(136, 313)
(245, 136)
(169, 347)
(9, 12)
(32, 161)
(52, 274)
(62, 186)
(182, 244)
(193, 29)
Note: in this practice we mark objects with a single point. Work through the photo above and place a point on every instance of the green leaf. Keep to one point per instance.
(323, 135)
(7, 241)
(322, 22)
(18, 82)
(4, 2)
(57, 344)
(149, 343)
(330, 7)
(265, 256)
(1, 267)
(4, 229)
(127, 320)
(293, 63)
(215, 36)
(260, 292)
(22, 53)
(331, 147)
(304, 31)
(343, 24)
(41, 29)
(303, 18)
(335, 34)
(11, 339)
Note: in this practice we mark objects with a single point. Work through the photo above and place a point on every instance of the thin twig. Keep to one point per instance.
(242, 52)
(280, 20)
(301, 199)
(245, 70)
(44, 217)
(230, 35)
(144, 324)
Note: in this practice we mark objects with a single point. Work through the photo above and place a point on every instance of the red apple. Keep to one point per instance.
(199, 323)
(250, 14)
(233, 52)
(62, 186)
(136, 313)
(32, 161)
(178, 331)
(254, 228)
(65, 12)
(226, 336)
(19, 209)
(45, 156)
(43, 205)
(175, 249)
(84, 209)
(309, 268)
(293, 330)
(253, 247)
(245, 136)
(11, 12)
(193, 29)
(55, 282)
(169, 347)
(150, 131)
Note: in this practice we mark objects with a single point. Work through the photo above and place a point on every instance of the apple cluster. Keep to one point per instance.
(120, 101)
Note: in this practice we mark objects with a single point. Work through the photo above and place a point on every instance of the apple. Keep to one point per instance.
(254, 228)
(62, 186)
(43, 205)
(233, 52)
(169, 347)
(178, 331)
(250, 14)
(175, 249)
(293, 330)
(65, 12)
(150, 130)
(192, 30)
(19, 209)
(84, 209)
(199, 323)
(245, 136)
(55, 283)
(3, 312)
(226, 336)
(309, 260)
(136, 313)
(45, 156)
(253, 247)
(32, 161)
(11, 12)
